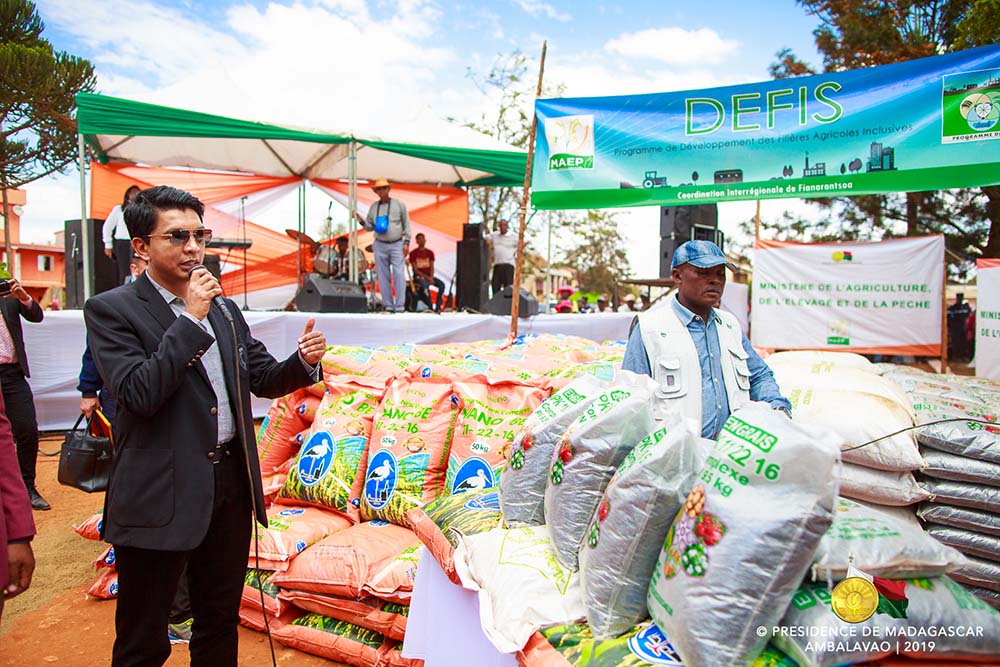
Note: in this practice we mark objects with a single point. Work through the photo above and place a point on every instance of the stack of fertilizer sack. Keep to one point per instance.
(628, 541)
(961, 469)
(843, 394)
(349, 461)
(106, 585)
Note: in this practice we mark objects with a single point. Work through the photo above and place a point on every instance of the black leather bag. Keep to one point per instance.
(85, 459)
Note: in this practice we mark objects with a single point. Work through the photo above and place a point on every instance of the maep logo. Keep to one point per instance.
(474, 475)
(571, 142)
(380, 481)
(489, 502)
(651, 645)
(315, 459)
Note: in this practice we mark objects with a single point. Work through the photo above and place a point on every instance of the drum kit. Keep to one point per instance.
(327, 263)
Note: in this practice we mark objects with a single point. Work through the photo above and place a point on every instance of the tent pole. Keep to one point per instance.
(85, 240)
(298, 226)
(944, 317)
(352, 209)
(515, 302)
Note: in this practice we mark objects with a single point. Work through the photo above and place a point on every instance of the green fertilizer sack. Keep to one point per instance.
(745, 537)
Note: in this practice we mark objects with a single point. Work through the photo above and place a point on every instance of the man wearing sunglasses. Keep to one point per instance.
(186, 479)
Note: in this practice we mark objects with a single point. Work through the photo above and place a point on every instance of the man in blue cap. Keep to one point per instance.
(696, 353)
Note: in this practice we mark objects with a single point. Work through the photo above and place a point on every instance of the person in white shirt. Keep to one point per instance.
(117, 243)
(504, 247)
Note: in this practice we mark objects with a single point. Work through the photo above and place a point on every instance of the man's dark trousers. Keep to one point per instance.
(148, 579)
(21, 411)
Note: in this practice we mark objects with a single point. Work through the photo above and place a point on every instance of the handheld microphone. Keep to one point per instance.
(217, 300)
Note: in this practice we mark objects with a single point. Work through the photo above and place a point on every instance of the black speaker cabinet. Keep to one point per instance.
(320, 294)
(472, 231)
(103, 272)
(472, 275)
(679, 224)
(501, 303)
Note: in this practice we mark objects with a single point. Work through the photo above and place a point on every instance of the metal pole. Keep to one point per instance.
(944, 317)
(756, 224)
(85, 240)
(548, 269)
(525, 195)
(352, 208)
(298, 226)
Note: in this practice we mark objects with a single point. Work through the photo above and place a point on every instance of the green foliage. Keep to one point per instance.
(865, 33)
(598, 250)
(37, 90)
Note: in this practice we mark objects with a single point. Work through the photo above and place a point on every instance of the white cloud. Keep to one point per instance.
(539, 8)
(674, 46)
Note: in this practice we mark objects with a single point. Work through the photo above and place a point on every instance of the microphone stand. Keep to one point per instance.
(243, 226)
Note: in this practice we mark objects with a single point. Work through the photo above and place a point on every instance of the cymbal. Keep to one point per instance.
(300, 237)
(370, 247)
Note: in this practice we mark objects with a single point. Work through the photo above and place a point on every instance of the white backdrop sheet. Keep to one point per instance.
(55, 346)
(988, 320)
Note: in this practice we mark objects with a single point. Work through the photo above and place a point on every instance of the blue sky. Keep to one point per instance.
(393, 67)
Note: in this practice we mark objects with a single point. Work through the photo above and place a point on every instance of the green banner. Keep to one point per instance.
(925, 124)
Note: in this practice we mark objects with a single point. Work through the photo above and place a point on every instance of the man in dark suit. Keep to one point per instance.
(16, 392)
(186, 479)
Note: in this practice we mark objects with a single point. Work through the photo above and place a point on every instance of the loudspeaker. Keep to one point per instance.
(501, 303)
(214, 265)
(320, 294)
(679, 224)
(472, 231)
(103, 272)
(472, 274)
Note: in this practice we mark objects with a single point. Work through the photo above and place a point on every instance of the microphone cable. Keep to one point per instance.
(916, 426)
(253, 509)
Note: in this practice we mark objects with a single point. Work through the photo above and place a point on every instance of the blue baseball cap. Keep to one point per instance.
(702, 254)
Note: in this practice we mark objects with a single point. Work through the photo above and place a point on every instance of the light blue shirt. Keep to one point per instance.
(714, 399)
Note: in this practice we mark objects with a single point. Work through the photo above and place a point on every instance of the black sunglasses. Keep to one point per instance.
(180, 237)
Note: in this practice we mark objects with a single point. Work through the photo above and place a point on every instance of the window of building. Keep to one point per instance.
(45, 262)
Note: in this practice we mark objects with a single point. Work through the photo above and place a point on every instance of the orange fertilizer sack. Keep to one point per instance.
(387, 618)
(282, 422)
(106, 560)
(106, 586)
(255, 582)
(335, 640)
(491, 415)
(329, 469)
(90, 528)
(408, 455)
(272, 483)
(252, 618)
(441, 523)
(289, 531)
(393, 582)
(345, 562)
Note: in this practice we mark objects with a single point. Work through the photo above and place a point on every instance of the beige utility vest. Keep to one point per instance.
(673, 358)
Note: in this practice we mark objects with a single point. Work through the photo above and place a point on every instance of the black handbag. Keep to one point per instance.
(85, 459)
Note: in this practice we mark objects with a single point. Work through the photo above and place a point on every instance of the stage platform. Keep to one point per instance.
(55, 346)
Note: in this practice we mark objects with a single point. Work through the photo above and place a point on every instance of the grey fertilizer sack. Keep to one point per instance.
(979, 572)
(631, 522)
(960, 517)
(745, 537)
(963, 494)
(587, 456)
(522, 482)
(942, 620)
(967, 541)
(881, 545)
(966, 438)
(942, 465)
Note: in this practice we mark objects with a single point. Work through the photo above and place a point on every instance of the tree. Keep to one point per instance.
(38, 87)
(513, 90)
(865, 33)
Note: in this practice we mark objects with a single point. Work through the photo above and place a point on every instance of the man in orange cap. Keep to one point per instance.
(390, 221)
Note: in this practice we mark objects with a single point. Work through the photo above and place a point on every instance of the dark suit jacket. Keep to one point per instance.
(16, 522)
(162, 482)
(13, 310)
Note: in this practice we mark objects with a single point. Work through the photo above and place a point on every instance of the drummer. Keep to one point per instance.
(341, 259)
